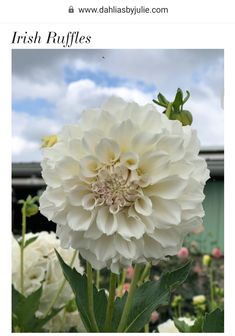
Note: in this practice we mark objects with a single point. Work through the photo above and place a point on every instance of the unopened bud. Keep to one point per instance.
(199, 299)
(31, 209)
(184, 116)
(206, 260)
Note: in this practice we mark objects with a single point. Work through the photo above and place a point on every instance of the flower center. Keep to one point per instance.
(115, 187)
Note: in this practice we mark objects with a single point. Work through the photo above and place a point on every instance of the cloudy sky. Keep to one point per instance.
(50, 88)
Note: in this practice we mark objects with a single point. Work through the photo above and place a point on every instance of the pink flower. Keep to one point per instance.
(216, 252)
(183, 253)
(130, 272)
(125, 287)
(154, 317)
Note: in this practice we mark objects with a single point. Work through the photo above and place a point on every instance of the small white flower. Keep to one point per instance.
(42, 268)
(169, 326)
(124, 185)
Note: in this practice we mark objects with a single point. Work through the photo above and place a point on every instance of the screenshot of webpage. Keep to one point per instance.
(114, 120)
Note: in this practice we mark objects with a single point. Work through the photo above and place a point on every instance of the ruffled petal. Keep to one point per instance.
(107, 151)
(79, 219)
(106, 221)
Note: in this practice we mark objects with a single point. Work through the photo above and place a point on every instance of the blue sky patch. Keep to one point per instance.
(103, 78)
(36, 106)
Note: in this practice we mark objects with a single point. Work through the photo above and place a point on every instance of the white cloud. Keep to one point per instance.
(39, 74)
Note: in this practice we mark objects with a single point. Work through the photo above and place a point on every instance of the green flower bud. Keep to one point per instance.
(31, 209)
(184, 116)
(199, 300)
(174, 110)
(206, 260)
(176, 301)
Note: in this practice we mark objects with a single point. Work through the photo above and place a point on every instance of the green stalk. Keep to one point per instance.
(97, 282)
(60, 289)
(212, 303)
(109, 311)
(129, 299)
(145, 273)
(123, 278)
(22, 248)
(146, 328)
(91, 298)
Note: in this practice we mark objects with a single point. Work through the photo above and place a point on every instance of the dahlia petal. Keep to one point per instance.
(90, 140)
(168, 188)
(167, 211)
(168, 237)
(144, 141)
(122, 133)
(143, 205)
(129, 226)
(67, 168)
(126, 248)
(173, 145)
(89, 166)
(107, 151)
(114, 105)
(103, 248)
(152, 249)
(106, 222)
(130, 160)
(51, 178)
(76, 196)
(46, 207)
(93, 232)
(92, 259)
(75, 149)
(89, 201)
(56, 196)
(79, 219)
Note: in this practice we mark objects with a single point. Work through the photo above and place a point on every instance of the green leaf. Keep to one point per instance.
(187, 97)
(162, 100)
(178, 101)
(40, 322)
(28, 242)
(214, 321)
(24, 309)
(149, 297)
(158, 103)
(184, 327)
(78, 284)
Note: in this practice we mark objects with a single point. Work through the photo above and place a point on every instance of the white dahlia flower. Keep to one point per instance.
(41, 268)
(124, 185)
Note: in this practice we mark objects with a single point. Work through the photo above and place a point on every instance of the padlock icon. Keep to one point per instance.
(71, 9)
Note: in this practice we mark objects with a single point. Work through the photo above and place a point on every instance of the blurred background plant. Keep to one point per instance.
(36, 269)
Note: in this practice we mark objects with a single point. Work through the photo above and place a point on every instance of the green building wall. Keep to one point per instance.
(213, 234)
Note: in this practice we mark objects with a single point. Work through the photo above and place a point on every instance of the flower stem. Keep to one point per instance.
(146, 328)
(22, 248)
(97, 282)
(129, 299)
(91, 298)
(145, 273)
(212, 303)
(60, 289)
(109, 311)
